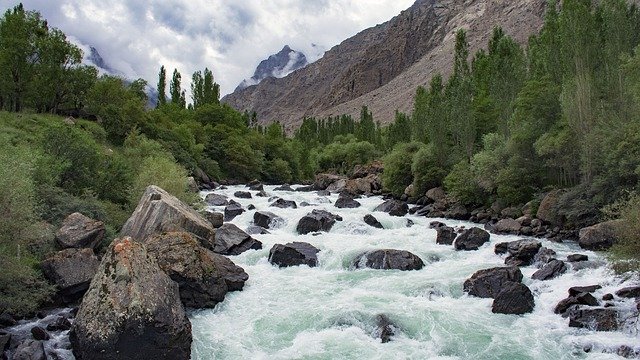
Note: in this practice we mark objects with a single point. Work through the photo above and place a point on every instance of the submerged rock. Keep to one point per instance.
(487, 283)
(79, 231)
(71, 270)
(372, 221)
(294, 254)
(285, 187)
(284, 204)
(471, 239)
(513, 298)
(388, 259)
(131, 311)
(393, 207)
(552, 269)
(231, 240)
(629, 292)
(317, 220)
(384, 328)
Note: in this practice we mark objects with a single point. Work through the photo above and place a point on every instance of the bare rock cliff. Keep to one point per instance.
(381, 67)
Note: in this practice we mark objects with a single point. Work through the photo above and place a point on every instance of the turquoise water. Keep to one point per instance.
(329, 312)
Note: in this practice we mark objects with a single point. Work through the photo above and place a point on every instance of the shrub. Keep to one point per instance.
(397, 173)
(22, 288)
(163, 172)
(278, 171)
(461, 184)
(55, 205)
(626, 253)
(427, 173)
(17, 192)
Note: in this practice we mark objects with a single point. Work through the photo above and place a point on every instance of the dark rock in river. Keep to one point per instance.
(285, 187)
(131, 311)
(521, 252)
(389, 259)
(487, 283)
(575, 290)
(393, 207)
(79, 231)
(294, 254)
(577, 258)
(471, 239)
(284, 204)
(39, 333)
(544, 255)
(257, 230)
(203, 278)
(317, 220)
(445, 235)
(71, 270)
(30, 350)
(552, 269)
(232, 210)
(594, 319)
(507, 226)
(215, 218)
(267, 219)
(513, 298)
(372, 221)
(242, 194)
(347, 202)
(457, 212)
(231, 240)
(384, 328)
(323, 193)
(216, 200)
(629, 292)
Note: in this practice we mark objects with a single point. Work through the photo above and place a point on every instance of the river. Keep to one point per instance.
(329, 312)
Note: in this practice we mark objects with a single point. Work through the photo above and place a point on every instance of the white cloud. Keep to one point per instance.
(228, 36)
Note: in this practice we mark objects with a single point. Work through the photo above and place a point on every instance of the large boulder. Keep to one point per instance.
(203, 278)
(487, 283)
(446, 235)
(583, 298)
(544, 255)
(393, 207)
(231, 240)
(232, 210)
(79, 231)
(600, 236)
(471, 239)
(158, 211)
(317, 220)
(436, 195)
(547, 211)
(629, 292)
(521, 252)
(347, 202)
(372, 221)
(550, 270)
(594, 319)
(294, 254)
(71, 270)
(364, 185)
(131, 311)
(214, 199)
(30, 350)
(215, 218)
(323, 181)
(242, 194)
(267, 220)
(513, 298)
(507, 226)
(284, 204)
(337, 186)
(388, 259)
(457, 212)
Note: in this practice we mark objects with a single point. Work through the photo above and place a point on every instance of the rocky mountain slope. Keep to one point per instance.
(277, 65)
(382, 66)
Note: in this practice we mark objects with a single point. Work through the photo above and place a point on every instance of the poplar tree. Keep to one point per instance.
(162, 87)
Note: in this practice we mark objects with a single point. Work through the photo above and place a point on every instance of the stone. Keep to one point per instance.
(511, 212)
(507, 226)
(285, 187)
(6, 320)
(513, 298)
(232, 210)
(372, 221)
(158, 211)
(323, 193)
(364, 185)
(544, 255)
(575, 290)
(267, 220)
(284, 204)
(384, 328)
(521, 252)
(577, 258)
(132, 310)
(294, 254)
(5, 341)
(251, 207)
(71, 270)
(629, 292)
(346, 202)
(256, 187)
(547, 211)
(231, 240)
(61, 323)
(215, 218)
(445, 235)
(203, 277)
(393, 207)
(594, 319)
(457, 212)
(79, 231)
(600, 236)
(436, 195)
(552, 269)
(242, 195)
(317, 220)
(471, 239)
(262, 193)
(388, 259)
(323, 181)
(216, 200)
(488, 282)
(436, 224)
(257, 230)
(30, 350)
(607, 297)
(39, 333)
(337, 186)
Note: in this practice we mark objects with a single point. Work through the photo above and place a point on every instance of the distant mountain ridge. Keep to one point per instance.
(382, 66)
(278, 65)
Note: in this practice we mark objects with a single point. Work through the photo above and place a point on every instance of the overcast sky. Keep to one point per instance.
(229, 36)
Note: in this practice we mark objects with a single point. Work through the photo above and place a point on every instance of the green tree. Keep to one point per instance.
(162, 87)
(175, 90)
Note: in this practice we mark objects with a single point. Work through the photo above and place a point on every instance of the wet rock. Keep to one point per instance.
(393, 207)
(317, 220)
(158, 211)
(79, 231)
(445, 235)
(215, 218)
(575, 290)
(577, 258)
(436, 195)
(628, 352)
(285, 187)
(256, 186)
(347, 202)
(337, 186)
(7, 320)
(521, 252)
(594, 319)
(544, 255)
(323, 181)
(284, 204)
(267, 220)
(71, 270)
(131, 311)
(436, 224)
(216, 200)
(607, 297)
(232, 210)
(511, 212)
(308, 188)
(262, 194)
(242, 195)
(576, 299)
(457, 212)
(39, 333)
(507, 226)
(410, 223)
(372, 221)
(257, 230)
(384, 328)
(513, 298)
(203, 277)
(30, 350)
(389, 259)
(600, 236)
(471, 239)
(323, 193)
(552, 269)
(488, 282)
(231, 240)
(294, 254)
(61, 323)
(251, 207)
(629, 292)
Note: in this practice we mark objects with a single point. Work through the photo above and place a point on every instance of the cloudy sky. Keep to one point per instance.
(229, 36)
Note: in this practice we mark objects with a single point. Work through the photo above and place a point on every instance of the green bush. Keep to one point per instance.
(427, 173)
(114, 179)
(165, 173)
(17, 192)
(397, 173)
(626, 253)
(55, 205)
(277, 171)
(461, 184)
(22, 288)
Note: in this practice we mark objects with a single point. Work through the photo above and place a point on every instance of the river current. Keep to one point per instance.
(329, 312)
